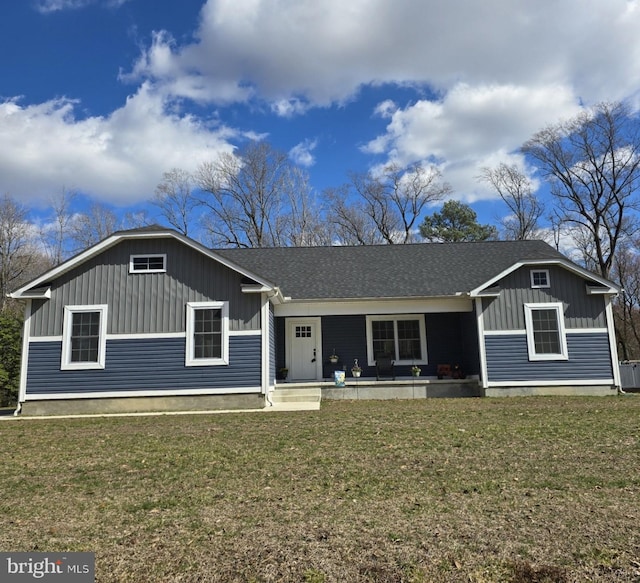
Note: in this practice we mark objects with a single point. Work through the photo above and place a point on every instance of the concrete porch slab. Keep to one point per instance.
(404, 388)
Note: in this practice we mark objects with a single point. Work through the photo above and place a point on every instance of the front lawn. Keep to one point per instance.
(473, 490)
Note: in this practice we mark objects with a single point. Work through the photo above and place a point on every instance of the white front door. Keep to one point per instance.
(303, 349)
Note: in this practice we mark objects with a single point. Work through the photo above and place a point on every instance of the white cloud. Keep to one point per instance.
(386, 109)
(118, 159)
(323, 52)
(501, 71)
(47, 6)
(469, 128)
(302, 155)
(289, 107)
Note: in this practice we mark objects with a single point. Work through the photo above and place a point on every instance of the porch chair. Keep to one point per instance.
(384, 367)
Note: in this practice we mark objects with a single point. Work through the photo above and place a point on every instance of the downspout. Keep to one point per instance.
(274, 297)
(266, 348)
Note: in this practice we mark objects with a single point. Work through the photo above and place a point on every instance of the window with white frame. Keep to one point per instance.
(540, 278)
(401, 337)
(546, 338)
(156, 263)
(207, 334)
(84, 337)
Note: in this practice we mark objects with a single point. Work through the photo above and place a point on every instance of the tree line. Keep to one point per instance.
(256, 197)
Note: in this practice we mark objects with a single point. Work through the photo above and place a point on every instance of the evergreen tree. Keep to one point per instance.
(457, 222)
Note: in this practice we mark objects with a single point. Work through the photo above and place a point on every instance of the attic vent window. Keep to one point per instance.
(540, 278)
(148, 263)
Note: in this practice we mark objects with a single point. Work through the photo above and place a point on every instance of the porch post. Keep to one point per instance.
(481, 345)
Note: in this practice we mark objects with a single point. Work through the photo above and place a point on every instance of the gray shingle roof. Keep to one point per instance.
(386, 271)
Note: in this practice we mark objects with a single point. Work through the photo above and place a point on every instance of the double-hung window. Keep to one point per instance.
(546, 338)
(401, 337)
(207, 333)
(84, 337)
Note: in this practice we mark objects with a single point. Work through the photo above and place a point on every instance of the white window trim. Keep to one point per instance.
(189, 358)
(395, 317)
(66, 363)
(537, 286)
(164, 263)
(559, 308)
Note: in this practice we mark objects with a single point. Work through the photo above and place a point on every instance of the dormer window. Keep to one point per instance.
(148, 263)
(540, 278)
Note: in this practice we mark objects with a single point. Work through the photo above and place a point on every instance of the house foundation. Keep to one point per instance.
(562, 391)
(119, 405)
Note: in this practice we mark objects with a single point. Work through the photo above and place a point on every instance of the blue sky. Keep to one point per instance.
(103, 96)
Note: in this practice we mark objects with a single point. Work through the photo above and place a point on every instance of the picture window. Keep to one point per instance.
(402, 337)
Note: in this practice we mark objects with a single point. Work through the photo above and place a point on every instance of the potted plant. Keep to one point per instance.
(457, 373)
(356, 371)
(416, 370)
(334, 357)
(283, 373)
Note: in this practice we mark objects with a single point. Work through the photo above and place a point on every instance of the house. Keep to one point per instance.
(149, 319)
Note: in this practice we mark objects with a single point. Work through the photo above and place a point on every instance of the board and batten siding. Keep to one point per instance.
(506, 312)
(589, 358)
(138, 365)
(147, 303)
(347, 335)
(452, 339)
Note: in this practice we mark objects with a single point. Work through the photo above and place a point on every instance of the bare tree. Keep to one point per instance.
(55, 235)
(592, 163)
(257, 198)
(176, 199)
(305, 223)
(136, 219)
(349, 219)
(91, 227)
(515, 189)
(17, 252)
(395, 198)
(626, 310)
(244, 196)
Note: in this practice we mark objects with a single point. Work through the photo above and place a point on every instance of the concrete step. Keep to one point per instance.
(298, 399)
(299, 406)
(296, 395)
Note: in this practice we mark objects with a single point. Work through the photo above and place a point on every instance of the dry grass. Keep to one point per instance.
(514, 490)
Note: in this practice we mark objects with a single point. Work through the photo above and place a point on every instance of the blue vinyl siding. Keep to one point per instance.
(145, 365)
(508, 359)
